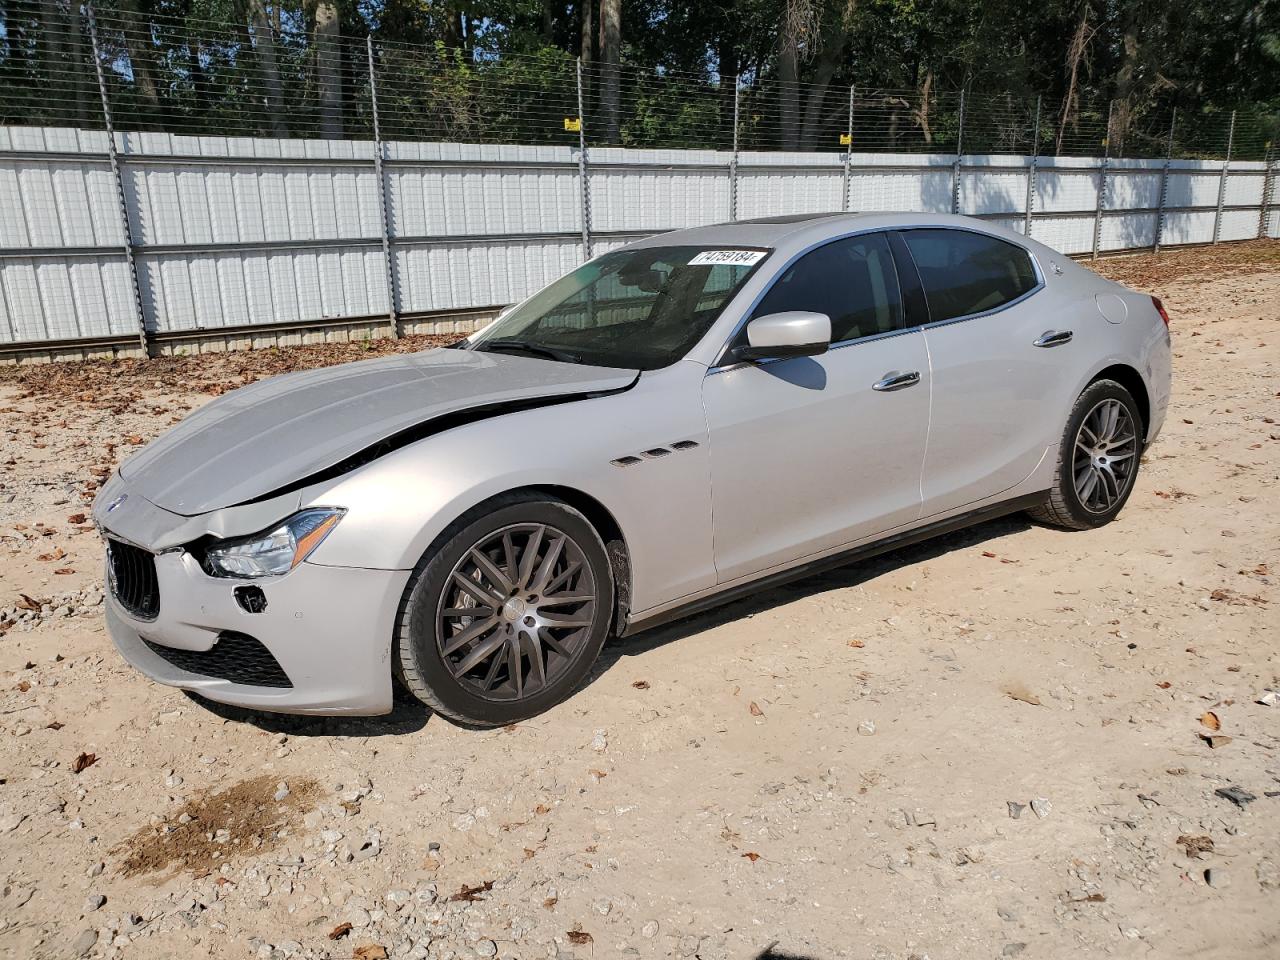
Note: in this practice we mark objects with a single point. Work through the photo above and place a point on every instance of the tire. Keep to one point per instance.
(517, 618)
(1075, 501)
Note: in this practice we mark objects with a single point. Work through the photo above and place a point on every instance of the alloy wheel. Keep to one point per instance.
(1106, 453)
(515, 610)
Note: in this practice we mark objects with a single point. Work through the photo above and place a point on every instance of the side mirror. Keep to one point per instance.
(795, 333)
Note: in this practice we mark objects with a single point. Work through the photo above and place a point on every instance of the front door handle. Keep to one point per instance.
(896, 381)
(1053, 338)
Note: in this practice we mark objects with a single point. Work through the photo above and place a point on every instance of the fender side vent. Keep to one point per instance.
(684, 444)
(627, 461)
(657, 452)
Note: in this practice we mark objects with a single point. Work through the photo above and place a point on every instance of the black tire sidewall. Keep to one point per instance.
(1094, 394)
(418, 624)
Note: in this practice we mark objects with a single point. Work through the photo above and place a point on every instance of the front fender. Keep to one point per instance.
(398, 505)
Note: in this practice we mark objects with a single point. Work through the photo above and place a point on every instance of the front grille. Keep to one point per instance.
(237, 657)
(132, 574)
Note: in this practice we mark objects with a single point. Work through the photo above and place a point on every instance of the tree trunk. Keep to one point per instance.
(328, 55)
(610, 57)
(1075, 57)
(77, 66)
(588, 32)
(1126, 77)
(268, 70)
(137, 36)
(789, 84)
(548, 21)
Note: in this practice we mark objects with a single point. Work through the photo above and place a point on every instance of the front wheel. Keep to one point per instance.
(1097, 460)
(507, 612)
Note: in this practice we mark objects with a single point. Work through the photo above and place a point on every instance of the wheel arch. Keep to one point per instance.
(1129, 378)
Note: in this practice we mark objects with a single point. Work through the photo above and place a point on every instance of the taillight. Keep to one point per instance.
(1164, 314)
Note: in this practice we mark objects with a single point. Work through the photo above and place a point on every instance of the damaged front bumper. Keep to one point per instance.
(316, 640)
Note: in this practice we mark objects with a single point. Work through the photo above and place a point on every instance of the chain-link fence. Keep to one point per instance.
(274, 75)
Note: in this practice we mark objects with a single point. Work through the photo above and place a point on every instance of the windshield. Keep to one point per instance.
(639, 309)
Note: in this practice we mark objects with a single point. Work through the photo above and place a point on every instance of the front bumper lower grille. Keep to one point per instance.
(236, 657)
(132, 575)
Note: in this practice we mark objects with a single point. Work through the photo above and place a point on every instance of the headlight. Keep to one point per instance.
(271, 554)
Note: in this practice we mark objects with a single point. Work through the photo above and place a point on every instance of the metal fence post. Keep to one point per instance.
(1029, 206)
(733, 159)
(1268, 186)
(393, 292)
(1164, 185)
(144, 340)
(1222, 179)
(1102, 182)
(584, 173)
(848, 153)
(955, 169)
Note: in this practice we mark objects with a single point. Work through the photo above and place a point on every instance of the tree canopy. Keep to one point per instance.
(1057, 76)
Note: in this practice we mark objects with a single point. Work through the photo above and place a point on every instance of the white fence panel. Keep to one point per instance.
(234, 232)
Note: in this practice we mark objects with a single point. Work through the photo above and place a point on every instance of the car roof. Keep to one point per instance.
(797, 231)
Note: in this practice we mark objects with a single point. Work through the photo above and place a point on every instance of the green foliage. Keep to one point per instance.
(504, 71)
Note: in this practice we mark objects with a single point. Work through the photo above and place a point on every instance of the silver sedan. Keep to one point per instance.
(675, 423)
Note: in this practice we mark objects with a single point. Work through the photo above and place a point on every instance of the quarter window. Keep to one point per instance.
(852, 281)
(965, 273)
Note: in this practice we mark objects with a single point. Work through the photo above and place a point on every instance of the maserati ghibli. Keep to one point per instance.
(672, 424)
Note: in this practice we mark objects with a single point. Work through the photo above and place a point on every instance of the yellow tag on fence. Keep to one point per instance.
(573, 124)
(846, 140)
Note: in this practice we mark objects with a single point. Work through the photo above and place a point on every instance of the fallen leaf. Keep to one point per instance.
(541, 808)
(751, 855)
(1215, 740)
(1164, 684)
(471, 894)
(54, 726)
(641, 684)
(63, 571)
(57, 554)
(370, 951)
(340, 931)
(23, 686)
(857, 644)
(580, 937)
(1023, 695)
(1194, 846)
(550, 902)
(76, 518)
(26, 603)
(755, 709)
(1210, 720)
(83, 762)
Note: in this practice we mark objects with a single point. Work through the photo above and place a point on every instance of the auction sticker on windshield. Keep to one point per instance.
(734, 258)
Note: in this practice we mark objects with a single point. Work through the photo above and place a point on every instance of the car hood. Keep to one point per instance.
(262, 438)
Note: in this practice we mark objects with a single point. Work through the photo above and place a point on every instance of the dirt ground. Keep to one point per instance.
(834, 769)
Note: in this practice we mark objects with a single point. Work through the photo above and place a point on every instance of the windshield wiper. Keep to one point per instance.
(504, 344)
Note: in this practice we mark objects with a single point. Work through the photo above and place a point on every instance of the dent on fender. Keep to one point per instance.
(430, 428)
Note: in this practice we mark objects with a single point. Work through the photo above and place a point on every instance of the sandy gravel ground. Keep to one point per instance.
(834, 769)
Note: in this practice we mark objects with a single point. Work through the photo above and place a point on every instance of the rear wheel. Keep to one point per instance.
(1097, 460)
(507, 612)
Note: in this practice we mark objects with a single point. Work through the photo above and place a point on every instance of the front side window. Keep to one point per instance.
(965, 273)
(639, 309)
(852, 281)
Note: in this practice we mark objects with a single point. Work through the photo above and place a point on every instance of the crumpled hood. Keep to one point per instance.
(265, 436)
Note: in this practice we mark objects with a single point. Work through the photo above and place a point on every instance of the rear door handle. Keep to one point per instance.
(896, 381)
(1053, 338)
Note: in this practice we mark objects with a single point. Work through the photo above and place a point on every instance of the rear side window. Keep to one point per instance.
(852, 281)
(965, 273)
